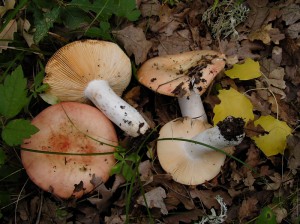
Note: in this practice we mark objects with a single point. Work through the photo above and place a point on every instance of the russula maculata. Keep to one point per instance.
(70, 127)
(186, 76)
(192, 164)
(98, 71)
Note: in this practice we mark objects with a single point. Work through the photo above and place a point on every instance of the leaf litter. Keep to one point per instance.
(269, 36)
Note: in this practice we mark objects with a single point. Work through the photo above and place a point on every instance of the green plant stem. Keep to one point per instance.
(67, 153)
(96, 17)
(11, 174)
(130, 190)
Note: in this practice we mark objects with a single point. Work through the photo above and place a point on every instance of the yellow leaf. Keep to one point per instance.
(8, 4)
(275, 141)
(248, 70)
(234, 104)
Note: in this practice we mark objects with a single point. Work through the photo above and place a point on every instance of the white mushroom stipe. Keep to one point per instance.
(213, 138)
(192, 106)
(115, 108)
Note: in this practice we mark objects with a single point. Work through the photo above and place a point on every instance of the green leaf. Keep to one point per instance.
(266, 216)
(103, 31)
(43, 25)
(106, 8)
(13, 94)
(127, 9)
(74, 18)
(2, 157)
(127, 172)
(116, 169)
(17, 130)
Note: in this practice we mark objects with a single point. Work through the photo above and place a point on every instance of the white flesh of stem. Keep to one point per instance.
(211, 137)
(192, 107)
(115, 108)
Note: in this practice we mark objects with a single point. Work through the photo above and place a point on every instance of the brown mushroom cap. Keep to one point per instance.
(73, 66)
(74, 128)
(177, 75)
(185, 166)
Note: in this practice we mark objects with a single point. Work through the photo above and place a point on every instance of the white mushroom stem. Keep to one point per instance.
(192, 106)
(212, 137)
(115, 108)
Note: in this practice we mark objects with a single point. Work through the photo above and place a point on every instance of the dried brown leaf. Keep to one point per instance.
(267, 34)
(258, 13)
(293, 30)
(150, 8)
(8, 34)
(103, 202)
(290, 14)
(155, 199)
(248, 208)
(177, 43)
(184, 217)
(145, 170)
(135, 42)
(208, 197)
(293, 145)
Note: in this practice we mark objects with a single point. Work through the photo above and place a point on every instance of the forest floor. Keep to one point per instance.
(266, 193)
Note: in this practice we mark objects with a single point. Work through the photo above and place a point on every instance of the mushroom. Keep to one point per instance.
(98, 71)
(70, 127)
(186, 76)
(190, 163)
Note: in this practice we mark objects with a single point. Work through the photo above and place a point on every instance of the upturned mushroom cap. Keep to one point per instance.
(177, 75)
(73, 66)
(182, 163)
(70, 127)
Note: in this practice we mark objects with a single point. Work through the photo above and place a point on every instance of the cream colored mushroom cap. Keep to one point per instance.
(176, 159)
(73, 66)
(177, 75)
(74, 128)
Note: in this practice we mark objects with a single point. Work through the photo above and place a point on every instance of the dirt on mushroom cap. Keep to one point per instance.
(177, 75)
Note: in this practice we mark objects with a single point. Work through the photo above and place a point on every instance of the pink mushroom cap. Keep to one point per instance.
(70, 127)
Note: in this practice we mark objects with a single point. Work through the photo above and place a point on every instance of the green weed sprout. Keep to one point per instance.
(223, 17)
